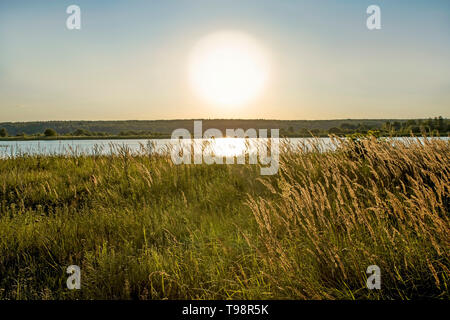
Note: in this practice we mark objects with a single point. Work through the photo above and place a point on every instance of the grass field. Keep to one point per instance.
(142, 228)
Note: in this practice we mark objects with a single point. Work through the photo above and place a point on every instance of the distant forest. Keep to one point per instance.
(164, 128)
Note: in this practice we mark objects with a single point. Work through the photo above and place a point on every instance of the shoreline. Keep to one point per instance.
(162, 137)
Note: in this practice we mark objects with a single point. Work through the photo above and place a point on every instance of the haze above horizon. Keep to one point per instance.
(211, 59)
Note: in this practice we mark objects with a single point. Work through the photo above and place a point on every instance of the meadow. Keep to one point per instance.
(141, 227)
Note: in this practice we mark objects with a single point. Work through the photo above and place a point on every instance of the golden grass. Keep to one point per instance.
(142, 228)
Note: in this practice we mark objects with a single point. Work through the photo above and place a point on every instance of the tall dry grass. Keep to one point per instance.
(142, 228)
(370, 202)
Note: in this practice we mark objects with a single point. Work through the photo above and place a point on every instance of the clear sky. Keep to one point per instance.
(130, 59)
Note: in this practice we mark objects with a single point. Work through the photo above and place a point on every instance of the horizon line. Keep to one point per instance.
(229, 119)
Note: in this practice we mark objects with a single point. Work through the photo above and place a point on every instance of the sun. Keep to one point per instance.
(228, 68)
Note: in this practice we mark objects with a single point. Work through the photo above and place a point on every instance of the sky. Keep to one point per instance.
(130, 60)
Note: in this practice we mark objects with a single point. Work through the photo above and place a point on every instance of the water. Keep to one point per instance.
(220, 147)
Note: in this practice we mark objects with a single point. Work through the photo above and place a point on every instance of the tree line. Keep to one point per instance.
(164, 128)
(431, 126)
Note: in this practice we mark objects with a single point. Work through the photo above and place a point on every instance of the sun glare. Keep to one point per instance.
(228, 68)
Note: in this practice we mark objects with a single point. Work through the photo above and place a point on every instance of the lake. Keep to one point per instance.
(221, 146)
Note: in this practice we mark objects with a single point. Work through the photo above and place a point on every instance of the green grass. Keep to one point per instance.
(142, 228)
